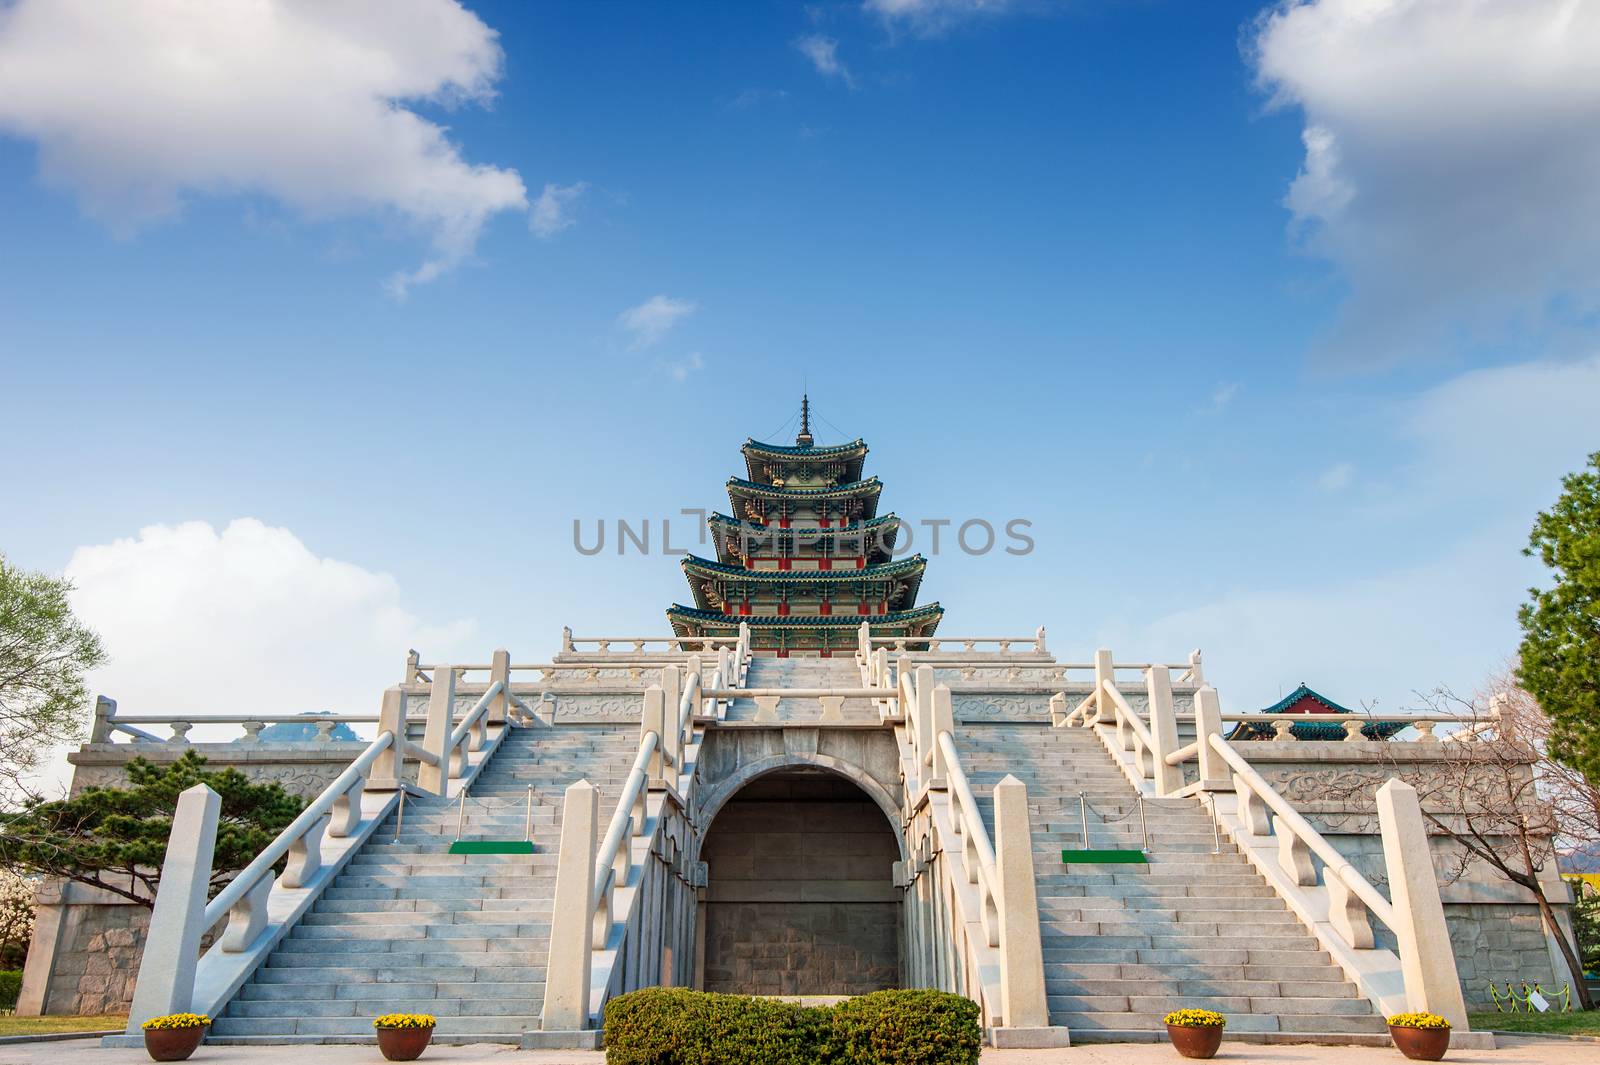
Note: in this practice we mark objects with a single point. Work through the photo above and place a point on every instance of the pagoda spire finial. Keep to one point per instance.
(805, 439)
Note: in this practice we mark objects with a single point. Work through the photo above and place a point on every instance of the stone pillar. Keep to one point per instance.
(943, 721)
(925, 737)
(1163, 730)
(172, 946)
(1103, 672)
(388, 770)
(671, 703)
(1426, 956)
(500, 705)
(1214, 772)
(1022, 998)
(566, 987)
(655, 719)
(104, 710)
(436, 735)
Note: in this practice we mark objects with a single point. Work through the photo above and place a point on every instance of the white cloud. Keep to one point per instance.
(1452, 162)
(932, 16)
(136, 106)
(552, 211)
(681, 369)
(246, 620)
(824, 55)
(1336, 478)
(1224, 395)
(653, 319)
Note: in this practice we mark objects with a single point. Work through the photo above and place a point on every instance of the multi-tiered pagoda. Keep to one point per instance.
(805, 556)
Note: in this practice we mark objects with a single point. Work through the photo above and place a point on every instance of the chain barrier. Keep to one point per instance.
(1515, 1003)
(1084, 806)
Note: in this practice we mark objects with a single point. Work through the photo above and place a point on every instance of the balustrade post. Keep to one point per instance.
(943, 721)
(1197, 675)
(695, 667)
(104, 710)
(388, 769)
(566, 987)
(1214, 772)
(1105, 673)
(172, 944)
(435, 779)
(655, 720)
(1038, 641)
(1426, 957)
(671, 727)
(1022, 998)
(925, 737)
(566, 638)
(413, 660)
(499, 670)
(1163, 729)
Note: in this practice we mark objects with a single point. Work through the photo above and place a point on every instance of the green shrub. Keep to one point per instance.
(10, 987)
(905, 1028)
(675, 1026)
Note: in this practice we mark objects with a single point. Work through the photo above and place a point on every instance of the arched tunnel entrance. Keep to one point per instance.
(800, 896)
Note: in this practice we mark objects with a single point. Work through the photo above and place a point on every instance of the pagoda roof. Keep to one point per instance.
(724, 533)
(867, 490)
(758, 455)
(915, 564)
(1312, 730)
(857, 446)
(930, 612)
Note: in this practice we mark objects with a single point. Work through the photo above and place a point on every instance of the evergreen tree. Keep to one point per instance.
(116, 838)
(1560, 653)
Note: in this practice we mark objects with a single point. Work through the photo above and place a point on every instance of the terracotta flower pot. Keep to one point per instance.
(172, 1044)
(1420, 1044)
(1195, 1042)
(403, 1044)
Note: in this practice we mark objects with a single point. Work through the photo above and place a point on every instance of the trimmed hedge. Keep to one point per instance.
(10, 987)
(675, 1026)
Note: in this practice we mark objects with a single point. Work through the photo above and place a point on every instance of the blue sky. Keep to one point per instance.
(1276, 322)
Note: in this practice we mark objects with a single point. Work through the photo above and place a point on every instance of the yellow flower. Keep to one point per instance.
(1195, 1019)
(1418, 1020)
(177, 1020)
(404, 1020)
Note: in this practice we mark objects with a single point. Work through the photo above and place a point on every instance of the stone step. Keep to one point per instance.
(1159, 939)
(442, 919)
(434, 908)
(402, 931)
(387, 969)
(474, 949)
(1237, 1023)
(1167, 889)
(367, 1008)
(309, 989)
(1301, 976)
(509, 1026)
(1207, 988)
(1207, 956)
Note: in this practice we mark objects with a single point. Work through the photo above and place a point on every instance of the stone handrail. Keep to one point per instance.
(1337, 905)
(994, 923)
(258, 908)
(1034, 644)
(107, 722)
(1297, 841)
(591, 920)
(1283, 724)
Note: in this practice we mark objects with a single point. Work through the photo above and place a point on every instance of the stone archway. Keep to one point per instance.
(800, 896)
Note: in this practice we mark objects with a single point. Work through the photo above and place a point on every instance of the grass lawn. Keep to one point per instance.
(10, 1025)
(1553, 1023)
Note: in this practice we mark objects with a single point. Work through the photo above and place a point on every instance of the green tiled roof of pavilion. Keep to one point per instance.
(705, 576)
(730, 535)
(918, 621)
(782, 566)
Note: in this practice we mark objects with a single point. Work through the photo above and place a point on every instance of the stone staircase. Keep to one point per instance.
(1196, 927)
(841, 672)
(409, 927)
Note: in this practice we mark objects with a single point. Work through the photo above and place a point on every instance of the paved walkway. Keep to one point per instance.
(1513, 1051)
